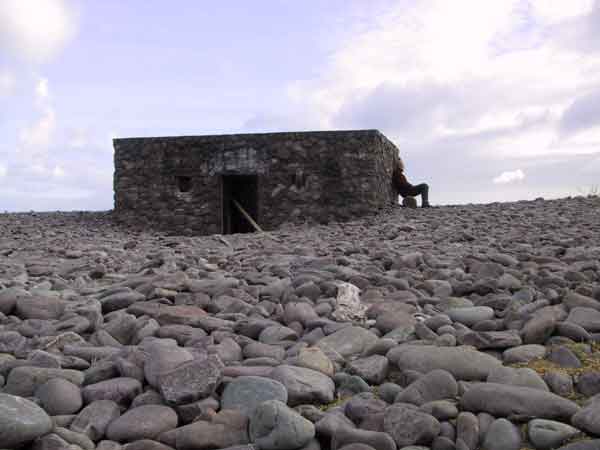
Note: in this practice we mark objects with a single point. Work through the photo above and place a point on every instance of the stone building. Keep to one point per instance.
(197, 184)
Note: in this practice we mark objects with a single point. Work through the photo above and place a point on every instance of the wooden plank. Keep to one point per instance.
(247, 216)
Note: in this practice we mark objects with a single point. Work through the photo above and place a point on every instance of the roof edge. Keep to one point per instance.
(372, 131)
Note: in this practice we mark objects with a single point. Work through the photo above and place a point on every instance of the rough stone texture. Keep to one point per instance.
(52, 441)
(143, 422)
(226, 429)
(364, 406)
(274, 426)
(319, 176)
(587, 318)
(463, 363)
(95, 418)
(547, 434)
(163, 357)
(467, 431)
(407, 425)
(9, 298)
(470, 315)
(516, 401)
(21, 421)
(348, 341)
(440, 409)
(78, 440)
(24, 380)
(143, 444)
(192, 380)
(502, 435)
(347, 438)
(121, 390)
(39, 307)
(588, 419)
(59, 396)
(582, 445)
(372, 369)
(517, 377)
(435, 385)
(523, 353)
(559, 382)
(246, 393)
(314, 358)
(589, 384)
(304, 385)
(215, 295)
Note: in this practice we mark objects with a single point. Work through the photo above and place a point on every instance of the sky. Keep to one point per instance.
(487, 101)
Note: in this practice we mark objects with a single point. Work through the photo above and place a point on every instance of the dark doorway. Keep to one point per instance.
(244, 190)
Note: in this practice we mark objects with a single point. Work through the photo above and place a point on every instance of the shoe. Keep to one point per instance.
(426, 205)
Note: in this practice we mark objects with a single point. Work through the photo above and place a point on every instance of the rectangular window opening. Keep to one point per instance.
(184, 184)
(243, 190)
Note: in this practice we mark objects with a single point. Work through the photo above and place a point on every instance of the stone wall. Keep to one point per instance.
(175, 183)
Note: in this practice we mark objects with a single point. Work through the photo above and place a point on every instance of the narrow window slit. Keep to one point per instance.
(184, 184)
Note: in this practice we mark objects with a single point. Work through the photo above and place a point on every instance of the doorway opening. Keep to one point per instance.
(243, 190)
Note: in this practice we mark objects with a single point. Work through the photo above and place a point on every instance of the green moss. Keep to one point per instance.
(337, 402)
(590, 361)
(340, 400)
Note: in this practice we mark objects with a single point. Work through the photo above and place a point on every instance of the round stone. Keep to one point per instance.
(21, 421)
(143, 422)
(408, 426)
(469, 316)
(246, 393)
(275, 426)
(523, 353)
(547, 434)
(502, 435)
(59, 397)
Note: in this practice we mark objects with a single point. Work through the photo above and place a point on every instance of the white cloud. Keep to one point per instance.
(7, 82)
(58, 172)
(583, 113)
(469, 78)
(431, 41)
(553, 11)
(509, 177)
(35, 30)
(78, 138)
(36, 138)
(38, 169)
(41, 89)
(41, 170)
(3, 170)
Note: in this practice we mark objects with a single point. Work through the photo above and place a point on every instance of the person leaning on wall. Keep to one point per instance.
(405, 189)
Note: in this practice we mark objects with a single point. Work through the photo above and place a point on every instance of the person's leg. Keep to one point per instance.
(422, 190)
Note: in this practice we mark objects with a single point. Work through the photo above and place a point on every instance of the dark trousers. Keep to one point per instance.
(419, 189)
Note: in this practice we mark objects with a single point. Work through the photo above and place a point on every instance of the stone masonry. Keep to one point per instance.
(187, 184)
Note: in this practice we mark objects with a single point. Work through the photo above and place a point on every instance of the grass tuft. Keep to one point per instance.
(590, 361)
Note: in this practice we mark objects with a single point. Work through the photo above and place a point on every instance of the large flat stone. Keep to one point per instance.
(143, 422)
(464, 363)
(348, 341)
(191, 381)
(246, 393)
(587, 318)
(275, 426)
(304, 385)
(21, 421)
(24, 380)
(517, 402)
